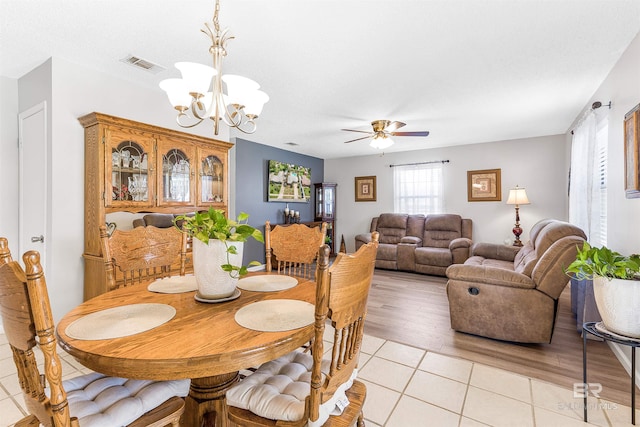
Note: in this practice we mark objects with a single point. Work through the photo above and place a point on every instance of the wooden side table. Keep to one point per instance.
(601, 332)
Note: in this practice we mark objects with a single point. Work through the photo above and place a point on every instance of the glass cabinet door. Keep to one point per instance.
(176, 184)
(212, 185)
(129, 162)
(328, 201)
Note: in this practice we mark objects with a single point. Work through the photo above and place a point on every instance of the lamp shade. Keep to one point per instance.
(197, 77)
(177, 92)
(254, 101)
(381, 142)
(517, 196)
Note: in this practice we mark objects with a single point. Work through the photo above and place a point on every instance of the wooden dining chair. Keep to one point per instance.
(94, 399)
(142, 255)
(301, 388)
(293, 248)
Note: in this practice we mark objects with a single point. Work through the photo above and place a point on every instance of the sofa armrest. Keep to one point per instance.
(460, 249)
(489, 275)
(362, 239)
(411, 240)
(494, 251)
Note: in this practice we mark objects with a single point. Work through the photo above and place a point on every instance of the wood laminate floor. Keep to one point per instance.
(413, 309)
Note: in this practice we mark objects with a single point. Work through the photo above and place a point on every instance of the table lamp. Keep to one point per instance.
(517, 196)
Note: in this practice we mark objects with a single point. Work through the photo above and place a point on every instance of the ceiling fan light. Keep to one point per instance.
(381, 142)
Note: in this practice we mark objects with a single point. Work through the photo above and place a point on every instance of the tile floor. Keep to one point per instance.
(411, 387)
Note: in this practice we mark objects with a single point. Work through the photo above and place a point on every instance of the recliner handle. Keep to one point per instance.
(473, 290)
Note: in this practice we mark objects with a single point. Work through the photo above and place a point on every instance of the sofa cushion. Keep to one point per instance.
(159, 220)
(525, 260)
(440, 230)
(387, 252)
(392, 227)
(440, 257)
(489, 262)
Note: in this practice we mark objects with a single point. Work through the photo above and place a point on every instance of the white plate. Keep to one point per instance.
(120, 321)
(276, 315)
(267, 283)
(174, 285)
(233, 296)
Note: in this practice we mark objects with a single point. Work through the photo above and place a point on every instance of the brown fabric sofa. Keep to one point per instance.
(418, 243)
(159, 220)
(511, 293)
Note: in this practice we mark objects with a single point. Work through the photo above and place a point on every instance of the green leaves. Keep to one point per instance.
(213, 224)
(604, 262)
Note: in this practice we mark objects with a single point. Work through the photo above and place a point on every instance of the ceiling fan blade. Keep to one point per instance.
(353, 130)
(358, 139)
(394, 125)
(418, 133)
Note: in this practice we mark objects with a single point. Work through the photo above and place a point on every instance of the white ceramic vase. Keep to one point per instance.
(618, 302)
(213, 282)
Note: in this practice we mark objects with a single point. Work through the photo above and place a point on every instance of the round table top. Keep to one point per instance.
(202, 340)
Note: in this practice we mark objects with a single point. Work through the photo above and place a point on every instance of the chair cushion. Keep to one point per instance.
(101, 401)
(277, 390)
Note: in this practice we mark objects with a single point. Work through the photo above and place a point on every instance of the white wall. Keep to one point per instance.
(9, 161)
(622, 88)
(75, 91)
(538, 164)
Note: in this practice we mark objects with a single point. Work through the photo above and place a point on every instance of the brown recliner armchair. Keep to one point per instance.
(511, 293)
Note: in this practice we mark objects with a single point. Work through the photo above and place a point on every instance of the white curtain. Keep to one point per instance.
(418, 189)
(587, 206)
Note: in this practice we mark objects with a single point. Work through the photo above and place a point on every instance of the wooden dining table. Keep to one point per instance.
(202, 342)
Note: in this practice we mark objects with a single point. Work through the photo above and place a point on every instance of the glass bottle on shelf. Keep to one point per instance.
(129, 170)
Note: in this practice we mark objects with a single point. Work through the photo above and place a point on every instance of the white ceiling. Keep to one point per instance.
(468, 71)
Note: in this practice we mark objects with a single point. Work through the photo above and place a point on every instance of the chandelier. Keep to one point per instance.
(200, 90)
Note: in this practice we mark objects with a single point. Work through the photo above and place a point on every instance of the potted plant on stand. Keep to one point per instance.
(616, 286)
(218, 244)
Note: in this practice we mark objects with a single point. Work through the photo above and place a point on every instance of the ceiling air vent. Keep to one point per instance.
(293, 144)
(143, 64)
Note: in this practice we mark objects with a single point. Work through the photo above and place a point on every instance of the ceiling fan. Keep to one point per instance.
(382, 131)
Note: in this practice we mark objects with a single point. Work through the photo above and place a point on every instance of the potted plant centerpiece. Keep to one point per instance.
(218, 244)
(616, 286)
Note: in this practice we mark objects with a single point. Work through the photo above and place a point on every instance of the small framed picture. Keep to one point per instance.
(631, 141)
(484, 186)
(365, 188)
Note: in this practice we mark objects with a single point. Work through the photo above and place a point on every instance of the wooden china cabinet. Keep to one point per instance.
(137, 167)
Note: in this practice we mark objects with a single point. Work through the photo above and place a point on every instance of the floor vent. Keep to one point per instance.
(143, 64)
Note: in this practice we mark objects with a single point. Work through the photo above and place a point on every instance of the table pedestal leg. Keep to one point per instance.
(205, 405)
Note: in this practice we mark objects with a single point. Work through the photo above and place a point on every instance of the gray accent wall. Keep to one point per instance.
(251, 183)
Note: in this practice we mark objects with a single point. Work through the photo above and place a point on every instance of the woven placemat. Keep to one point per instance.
(276, 315)
(267, 283)
(120, 321)
(174, 285)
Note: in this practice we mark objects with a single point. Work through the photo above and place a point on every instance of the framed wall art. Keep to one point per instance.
(631, 139)
(289, 182)
(484, 186)
(365, 188)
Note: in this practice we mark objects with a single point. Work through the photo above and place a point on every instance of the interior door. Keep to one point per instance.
(32, 134)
